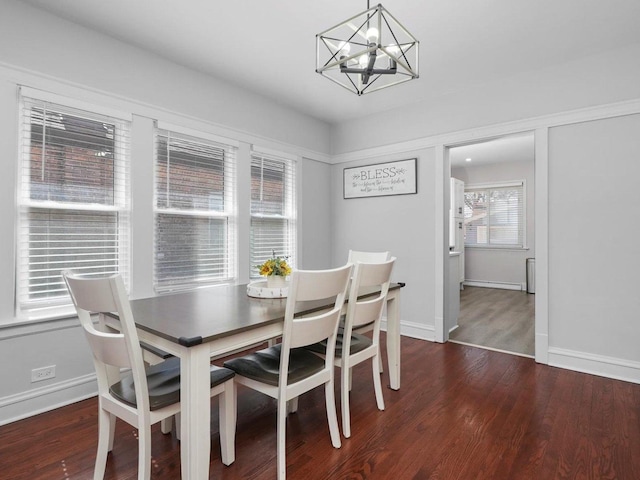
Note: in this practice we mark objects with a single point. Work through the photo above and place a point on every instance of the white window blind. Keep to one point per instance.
(494, 215)
(73, 199)
(273, 209)
(194, 220)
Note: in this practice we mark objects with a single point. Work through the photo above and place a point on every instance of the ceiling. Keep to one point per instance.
(268, 46)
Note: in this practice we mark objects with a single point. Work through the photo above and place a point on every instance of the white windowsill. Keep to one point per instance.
(496, 247)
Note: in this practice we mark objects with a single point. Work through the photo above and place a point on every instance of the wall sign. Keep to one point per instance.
(393, 178)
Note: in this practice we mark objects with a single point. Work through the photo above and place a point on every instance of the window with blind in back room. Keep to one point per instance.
(273, 211)
(194, 222)
(494, 216)
(73, 200)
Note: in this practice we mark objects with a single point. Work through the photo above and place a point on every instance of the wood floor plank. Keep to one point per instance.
(461, 413)
(498, 319)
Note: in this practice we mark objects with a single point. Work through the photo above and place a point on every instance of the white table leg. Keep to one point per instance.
(393, 338)
(195, 403)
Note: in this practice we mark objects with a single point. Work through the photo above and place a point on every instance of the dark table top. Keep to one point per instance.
(190, 318)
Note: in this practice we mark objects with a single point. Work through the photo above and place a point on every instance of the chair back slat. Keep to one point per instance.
(317, 284)
(367, 257)
(306, 331)
(373, 274)
(366, 312)
(108, 348)
(92, 294)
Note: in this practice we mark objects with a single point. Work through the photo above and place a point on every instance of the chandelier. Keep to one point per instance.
(367, 52)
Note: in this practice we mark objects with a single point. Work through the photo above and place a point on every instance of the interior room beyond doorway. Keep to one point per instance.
(496, 243)
(497, 319)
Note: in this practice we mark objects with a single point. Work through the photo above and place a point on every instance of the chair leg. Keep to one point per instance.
(178, 423)
(292, 405)
(104, 434)
(377, 383)
(166, 425)
(112, 430)
(227, 401)
(331, 414)
(144, 452)
(282, 440)
(345, 387)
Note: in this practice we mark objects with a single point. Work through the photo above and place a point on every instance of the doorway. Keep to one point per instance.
(496, 307)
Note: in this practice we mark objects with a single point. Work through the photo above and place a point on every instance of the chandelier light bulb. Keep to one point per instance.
(344, 48)
(372, 35)
(363, 60)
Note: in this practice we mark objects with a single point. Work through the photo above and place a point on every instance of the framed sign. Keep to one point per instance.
(392, 178)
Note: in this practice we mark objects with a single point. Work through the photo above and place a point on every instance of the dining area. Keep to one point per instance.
(305, 331)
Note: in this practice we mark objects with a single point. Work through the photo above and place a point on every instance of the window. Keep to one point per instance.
(194, 222)
(494, 215)
(72, 199)
(273, 211)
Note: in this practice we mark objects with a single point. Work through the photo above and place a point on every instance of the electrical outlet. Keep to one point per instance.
(43, 373)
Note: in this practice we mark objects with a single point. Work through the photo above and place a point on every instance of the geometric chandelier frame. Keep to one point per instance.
(368, 52)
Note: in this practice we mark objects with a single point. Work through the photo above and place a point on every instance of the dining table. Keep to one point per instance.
(207, 323)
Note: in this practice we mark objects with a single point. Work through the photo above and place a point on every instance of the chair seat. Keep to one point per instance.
(358, 343)
(264, 365)
(163, 380)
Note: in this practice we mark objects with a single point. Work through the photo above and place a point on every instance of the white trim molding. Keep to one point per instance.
(413, 330)
(490, 284)
(61, 87)
(496, 130)
(601, 365)
(43, 399)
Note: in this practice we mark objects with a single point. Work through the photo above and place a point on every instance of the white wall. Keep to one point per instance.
(587, 310)
(501, 265)
(403, 225)
(609, 77)
(46, 53)
(586, 254)
(594, 258)
(34, 40)
(315, 220)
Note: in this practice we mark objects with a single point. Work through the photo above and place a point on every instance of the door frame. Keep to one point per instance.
(541, 220)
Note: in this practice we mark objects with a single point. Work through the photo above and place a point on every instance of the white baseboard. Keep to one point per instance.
(600, 365)
(43, 399)
(502, 285)
(414, 330)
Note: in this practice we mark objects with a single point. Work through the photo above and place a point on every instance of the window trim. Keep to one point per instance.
(29, 312)
(230, 147)
(292, 165)
(504, 184)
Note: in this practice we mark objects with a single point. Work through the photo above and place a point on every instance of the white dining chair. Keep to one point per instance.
(286, 370)
(143, 396)
(367, 257)
(353, 348)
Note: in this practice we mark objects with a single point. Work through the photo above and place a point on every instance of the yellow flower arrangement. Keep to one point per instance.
(275, 266)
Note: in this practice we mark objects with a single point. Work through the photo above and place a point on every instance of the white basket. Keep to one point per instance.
(260, 290)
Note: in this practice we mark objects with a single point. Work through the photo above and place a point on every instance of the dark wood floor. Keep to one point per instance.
(462, 413)
(497, 318)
